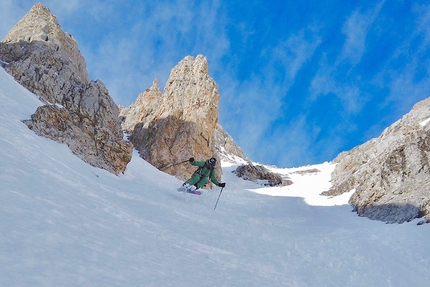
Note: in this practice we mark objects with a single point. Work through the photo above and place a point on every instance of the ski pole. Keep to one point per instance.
(172, 164)
(218, 198)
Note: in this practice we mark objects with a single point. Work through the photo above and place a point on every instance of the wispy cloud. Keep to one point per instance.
(423, 19)
(65, 8)
(325, 82)
(406, 74)
(253, 108)
(346, 85)
(356, 29)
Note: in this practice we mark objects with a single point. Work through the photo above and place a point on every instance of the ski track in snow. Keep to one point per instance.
(65, 223)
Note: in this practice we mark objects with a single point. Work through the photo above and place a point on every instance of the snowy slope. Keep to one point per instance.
(65, 223)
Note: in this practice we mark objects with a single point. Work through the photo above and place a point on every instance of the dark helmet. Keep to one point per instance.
(212, 161)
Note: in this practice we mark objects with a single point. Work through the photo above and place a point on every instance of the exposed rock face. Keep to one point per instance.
(390, 174)
(261, 175)
(180, 123)
(42, 57)
(227, 149)
(47, 61)
(143, 109)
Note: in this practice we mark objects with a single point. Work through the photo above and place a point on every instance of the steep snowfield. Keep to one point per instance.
(65, 223)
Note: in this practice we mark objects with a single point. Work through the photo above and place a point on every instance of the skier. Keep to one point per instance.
(202, 175)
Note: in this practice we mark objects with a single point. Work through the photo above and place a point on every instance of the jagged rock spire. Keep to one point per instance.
(180, 123)
(39, 25)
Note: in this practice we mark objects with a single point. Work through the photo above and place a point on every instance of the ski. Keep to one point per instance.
(183, 189)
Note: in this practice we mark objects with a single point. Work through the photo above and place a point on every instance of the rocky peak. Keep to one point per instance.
(191, 94)
(178, 124)
(78, 112)
(40, 26)
(390, 174)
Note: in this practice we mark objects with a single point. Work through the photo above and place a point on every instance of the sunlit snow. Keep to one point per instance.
(65, 223)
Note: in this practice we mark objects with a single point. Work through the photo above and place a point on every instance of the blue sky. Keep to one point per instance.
(299, 82)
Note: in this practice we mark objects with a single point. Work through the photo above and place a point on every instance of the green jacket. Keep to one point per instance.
(206, 171)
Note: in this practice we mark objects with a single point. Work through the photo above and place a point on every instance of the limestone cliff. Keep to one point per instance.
(179, 123)
(78, 112)
(391, 173)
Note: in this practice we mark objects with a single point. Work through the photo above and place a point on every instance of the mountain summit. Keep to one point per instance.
(39, 37)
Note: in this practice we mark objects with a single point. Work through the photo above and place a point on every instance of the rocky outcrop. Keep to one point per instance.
(227, 149)
(261, 175)
(179, 123)
(77, 111)
(390, 174)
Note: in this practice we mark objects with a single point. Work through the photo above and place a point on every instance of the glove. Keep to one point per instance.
(221, 184)
(191, 159)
